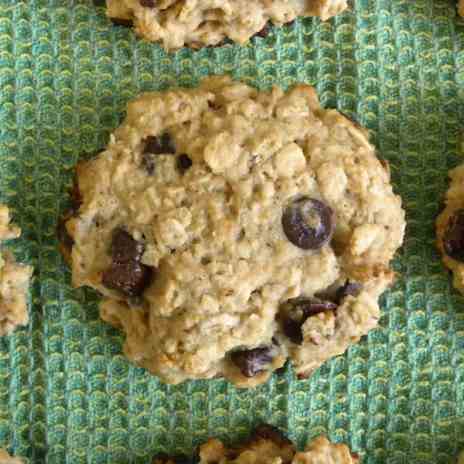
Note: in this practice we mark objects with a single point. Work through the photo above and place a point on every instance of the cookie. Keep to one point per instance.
(461, 7)
(268, 444)
(5, 458)
(231, 229)
(14, 281)
(450, 228)
(198, 23)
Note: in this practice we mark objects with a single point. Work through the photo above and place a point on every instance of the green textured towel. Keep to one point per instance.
(66, 392)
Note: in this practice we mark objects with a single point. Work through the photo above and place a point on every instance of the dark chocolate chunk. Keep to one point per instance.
(308, 223)
(155, 146)
(147, 3)
(124, 249)
(127, 274)
(161, 145)
(293, 314)
(183, 162)
(130, 279)
(252, 362)
(453, 238)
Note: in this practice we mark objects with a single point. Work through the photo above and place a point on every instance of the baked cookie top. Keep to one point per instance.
(231, 229)
(14, 280)
(198, 23)
(268, 445)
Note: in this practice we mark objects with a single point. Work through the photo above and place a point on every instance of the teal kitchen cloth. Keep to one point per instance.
(67, 394)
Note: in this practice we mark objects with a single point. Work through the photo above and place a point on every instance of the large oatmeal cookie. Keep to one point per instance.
(14, 280)
(231, 229)
(268, 445)
(198, 23)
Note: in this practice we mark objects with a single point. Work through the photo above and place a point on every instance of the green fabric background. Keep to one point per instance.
(66, 392)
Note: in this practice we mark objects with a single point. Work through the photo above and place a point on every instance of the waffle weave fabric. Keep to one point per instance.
(67, 394)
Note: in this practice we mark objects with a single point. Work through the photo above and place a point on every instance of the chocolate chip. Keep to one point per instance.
(130, 279)
(127, 274)
(183, 163)
(308, 223)
(348, 289)
(213, 105)
(121, 22)
(155, 146)
(252, 362)
(161, 145)
(453, 239)
(147, 3)
(293, 314)
(124, 249)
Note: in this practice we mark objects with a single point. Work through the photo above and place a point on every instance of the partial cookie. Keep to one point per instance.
(269, 445)
(450, 227)
(14, 281)
(198, 23)
(7, 230)
(230, 230)
(5, 458)
(461, 7)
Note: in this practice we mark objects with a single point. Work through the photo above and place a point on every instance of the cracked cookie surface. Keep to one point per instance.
(14, 280)
(198, 23)
(231, 229)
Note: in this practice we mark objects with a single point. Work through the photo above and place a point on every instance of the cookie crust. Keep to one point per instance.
(222, 266)
(199, 23)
